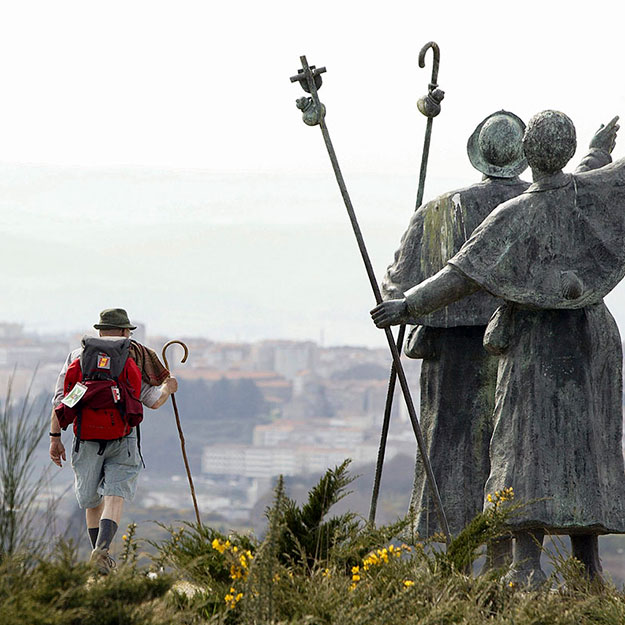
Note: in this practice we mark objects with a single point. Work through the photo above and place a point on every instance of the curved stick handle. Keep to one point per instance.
(186, 351)
(437, 59)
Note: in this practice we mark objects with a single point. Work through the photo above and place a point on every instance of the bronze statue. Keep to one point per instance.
(551, 254)
(457, 374)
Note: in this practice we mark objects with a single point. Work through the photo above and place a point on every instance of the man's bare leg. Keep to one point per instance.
(92, 516)
(113, 508)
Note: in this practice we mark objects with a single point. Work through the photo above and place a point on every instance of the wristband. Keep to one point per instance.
(55, 434)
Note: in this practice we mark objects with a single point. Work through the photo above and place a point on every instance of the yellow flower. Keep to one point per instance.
(500, 496)
(325, 573)
(218, 545)
(124, 537)
(408, 583)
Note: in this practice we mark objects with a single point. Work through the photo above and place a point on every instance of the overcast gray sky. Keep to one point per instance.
(151, 155)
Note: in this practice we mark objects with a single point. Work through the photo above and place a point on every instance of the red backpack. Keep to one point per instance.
(110, 380)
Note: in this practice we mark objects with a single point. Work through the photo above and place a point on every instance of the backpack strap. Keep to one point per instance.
(78, 427)
(139, 445)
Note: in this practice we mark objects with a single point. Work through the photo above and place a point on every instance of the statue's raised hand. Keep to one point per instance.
(605, 137)
(390, 313)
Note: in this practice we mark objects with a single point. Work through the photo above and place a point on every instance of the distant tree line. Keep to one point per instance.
(231, 407)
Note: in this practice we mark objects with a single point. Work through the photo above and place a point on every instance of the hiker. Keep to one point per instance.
(551, 254)
(106, 459)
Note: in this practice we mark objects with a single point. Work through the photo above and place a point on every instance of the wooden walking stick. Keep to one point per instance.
(182, 443)
(429, 105)
(313, 113)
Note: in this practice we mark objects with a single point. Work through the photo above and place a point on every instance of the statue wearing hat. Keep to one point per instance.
(458, 376)
(551, 254)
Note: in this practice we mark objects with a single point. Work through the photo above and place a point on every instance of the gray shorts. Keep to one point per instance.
(115, 472)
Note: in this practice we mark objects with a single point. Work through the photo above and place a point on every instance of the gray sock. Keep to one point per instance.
(106, 532)
(93, 535)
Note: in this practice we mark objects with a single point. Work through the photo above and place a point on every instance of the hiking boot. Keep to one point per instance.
(102, 561)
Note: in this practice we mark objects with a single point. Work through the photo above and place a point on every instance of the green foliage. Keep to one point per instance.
(350, 573)
(21, 430)
(487, 526)
(305, 536)
(196, 552)
(60, 590)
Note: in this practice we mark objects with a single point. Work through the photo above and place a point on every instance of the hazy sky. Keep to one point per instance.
(151, 155)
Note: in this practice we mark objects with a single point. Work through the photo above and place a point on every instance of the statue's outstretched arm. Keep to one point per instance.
(601, 146)
(445, 287)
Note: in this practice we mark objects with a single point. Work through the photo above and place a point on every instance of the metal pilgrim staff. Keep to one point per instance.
(313, 113)
(430, 106)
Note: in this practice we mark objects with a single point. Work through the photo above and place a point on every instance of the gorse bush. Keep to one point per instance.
(311, 568)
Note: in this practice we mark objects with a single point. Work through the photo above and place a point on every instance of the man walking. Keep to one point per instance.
(106, 469)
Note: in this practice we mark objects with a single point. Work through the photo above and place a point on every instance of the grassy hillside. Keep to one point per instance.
(311, 568)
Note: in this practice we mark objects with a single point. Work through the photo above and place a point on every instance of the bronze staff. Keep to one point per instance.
(309, 78)
(430, 106)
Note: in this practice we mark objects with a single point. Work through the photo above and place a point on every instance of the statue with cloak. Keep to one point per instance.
(458, 375)
(551, 254)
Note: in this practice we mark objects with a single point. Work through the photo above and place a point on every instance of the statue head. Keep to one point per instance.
(549, 142)
(495, 147)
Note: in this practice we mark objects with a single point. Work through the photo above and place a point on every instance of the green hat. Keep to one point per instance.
(496, 146)
(114, 318)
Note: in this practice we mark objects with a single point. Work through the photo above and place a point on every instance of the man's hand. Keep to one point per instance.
(171, 384)
(390, 313)
(605, 137)
(57, 451)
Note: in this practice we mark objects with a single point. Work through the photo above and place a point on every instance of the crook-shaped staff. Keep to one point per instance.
(182, 443)
(430, 106)
(313, 114)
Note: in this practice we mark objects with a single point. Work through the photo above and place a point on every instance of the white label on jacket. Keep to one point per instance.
(75, 395)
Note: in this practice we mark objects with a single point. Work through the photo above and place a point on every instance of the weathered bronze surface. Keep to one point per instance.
(551, 253)
(457, 374)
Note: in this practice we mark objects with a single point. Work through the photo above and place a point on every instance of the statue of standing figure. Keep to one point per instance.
(458, 375)
(551, 254)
